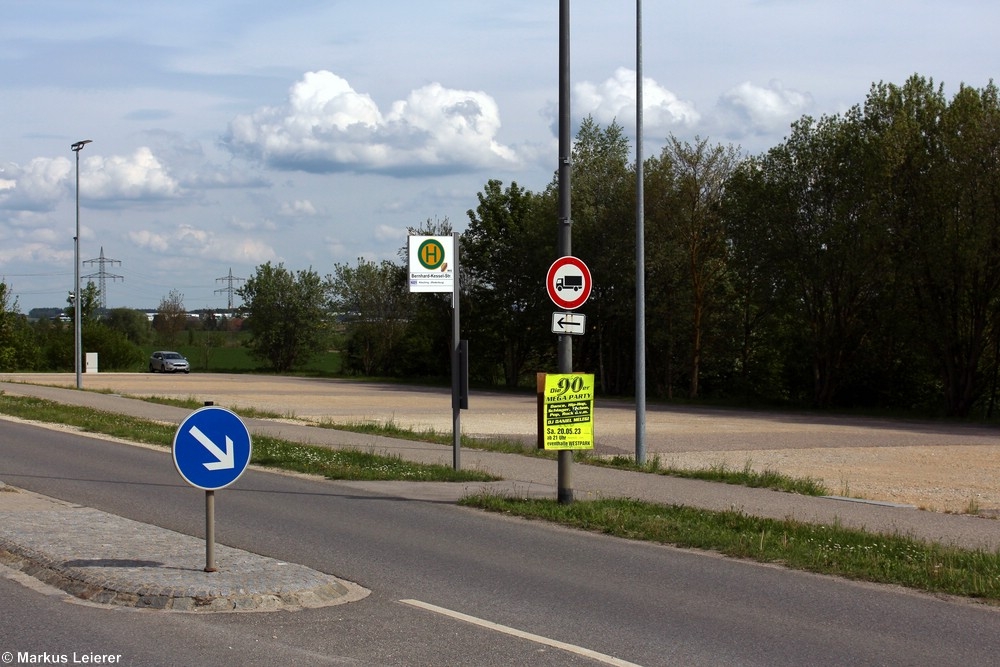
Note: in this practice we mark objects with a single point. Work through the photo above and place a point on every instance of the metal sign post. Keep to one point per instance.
(211, 450)
(210, 532)
(564, 243)
(433, 267)
(456, 369)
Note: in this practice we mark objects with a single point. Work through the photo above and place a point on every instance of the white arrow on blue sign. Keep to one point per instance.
(211, 448)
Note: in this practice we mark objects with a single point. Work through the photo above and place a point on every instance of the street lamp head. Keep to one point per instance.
(78, 146)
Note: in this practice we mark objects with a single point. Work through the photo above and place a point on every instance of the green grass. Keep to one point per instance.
(192, 403)
(350, 464)
(390, 429)
(825, 549)
(267, 451)
(768, 479)
(232, 356)
(747, 476)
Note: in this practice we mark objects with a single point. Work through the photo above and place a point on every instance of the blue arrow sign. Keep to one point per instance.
(211, 448)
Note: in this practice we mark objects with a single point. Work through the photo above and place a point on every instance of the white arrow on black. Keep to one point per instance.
(225, 459)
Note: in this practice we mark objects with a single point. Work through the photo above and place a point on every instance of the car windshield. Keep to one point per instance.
(172, 355)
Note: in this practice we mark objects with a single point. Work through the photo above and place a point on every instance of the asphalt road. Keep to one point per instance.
(644, 604)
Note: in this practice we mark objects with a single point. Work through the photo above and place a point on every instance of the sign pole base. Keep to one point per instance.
(210, 532)
(565, 486)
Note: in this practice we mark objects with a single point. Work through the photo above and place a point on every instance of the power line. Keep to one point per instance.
(230, 288)
(102, 275)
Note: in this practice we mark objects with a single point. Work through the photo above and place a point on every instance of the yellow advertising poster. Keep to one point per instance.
(565, 411)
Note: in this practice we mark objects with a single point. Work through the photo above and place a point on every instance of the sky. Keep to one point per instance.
(226, 134)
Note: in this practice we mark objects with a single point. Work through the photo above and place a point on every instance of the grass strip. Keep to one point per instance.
(825, 549)
(768, 479)
(747, 476)
(347, 464)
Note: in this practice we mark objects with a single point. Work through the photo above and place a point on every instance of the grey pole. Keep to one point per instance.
(564, 245)
(210, 525)
(640, 255)
(456, 380)
(210, 532)
(77, 297)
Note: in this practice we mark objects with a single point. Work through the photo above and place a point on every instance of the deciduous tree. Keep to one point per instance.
(170, 318)
(942, 160)
(18, 350)
(696, 227)
(133, 324)
(287, 314)
(506, 248)
(603, 216)
(373, 302)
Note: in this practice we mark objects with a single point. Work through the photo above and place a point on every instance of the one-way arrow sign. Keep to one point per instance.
(569, 323)
(211, 448)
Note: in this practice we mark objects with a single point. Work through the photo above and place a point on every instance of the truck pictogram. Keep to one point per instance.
(574, 283)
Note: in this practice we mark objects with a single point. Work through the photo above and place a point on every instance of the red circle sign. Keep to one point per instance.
(568, 282)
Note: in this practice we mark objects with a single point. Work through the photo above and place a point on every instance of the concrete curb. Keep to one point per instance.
(107, 559)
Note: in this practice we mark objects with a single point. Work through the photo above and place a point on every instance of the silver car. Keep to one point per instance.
(168, 362)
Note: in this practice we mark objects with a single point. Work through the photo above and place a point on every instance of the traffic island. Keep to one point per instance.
(106, 559)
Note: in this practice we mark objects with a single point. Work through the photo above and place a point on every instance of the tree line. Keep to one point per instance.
(116, 335)
(856, 264)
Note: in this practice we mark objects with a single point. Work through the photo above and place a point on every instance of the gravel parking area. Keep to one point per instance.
(935, 466)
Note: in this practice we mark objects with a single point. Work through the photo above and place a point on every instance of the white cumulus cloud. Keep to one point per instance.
(137, 176)
(185, 241)
(327, 126)
(37, 185)
(250, 251)
(43, 182)
(614, 99)
(752, 109)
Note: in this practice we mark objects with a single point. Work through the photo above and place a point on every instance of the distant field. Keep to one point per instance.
(233, 357)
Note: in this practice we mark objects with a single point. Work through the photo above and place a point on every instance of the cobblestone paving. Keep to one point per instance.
(108, 559)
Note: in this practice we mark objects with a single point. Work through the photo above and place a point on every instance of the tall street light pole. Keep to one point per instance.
(640, 255)
(564, 240)
(77, 297)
